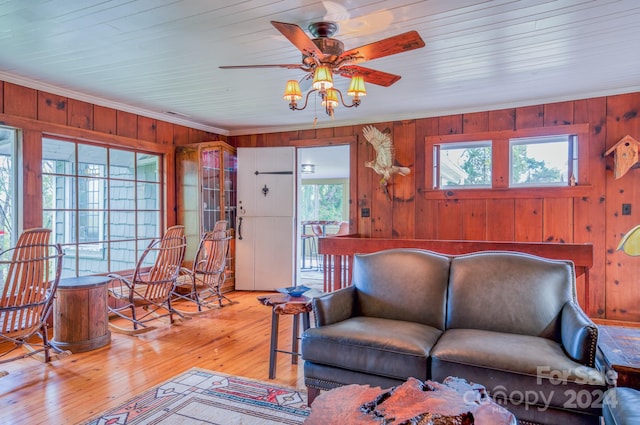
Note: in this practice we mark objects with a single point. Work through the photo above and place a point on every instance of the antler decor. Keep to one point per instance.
(383, 164)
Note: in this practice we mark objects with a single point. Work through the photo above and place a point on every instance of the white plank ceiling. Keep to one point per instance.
(157, 56)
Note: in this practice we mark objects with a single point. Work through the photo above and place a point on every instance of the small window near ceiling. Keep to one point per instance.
(544, 161)
(462, 165)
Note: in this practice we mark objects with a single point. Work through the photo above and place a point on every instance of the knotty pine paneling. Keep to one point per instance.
(588, 214)
(343, 131)
(475, 122)
(323, 133)
(52, 108)
(474, 219)
(307, 134)
(382, 197)
(501, 219)
(126, 124)
(529, 224)
(530, 117)
(32, 179)
(354, 210)
(404, 187)
(428, 222)
(449, 219)
(503, 119)
(557, 220)
(104, 119)
(164, 133)
(365, 187)
(425, 214)
(589, 221)
(20, 101)
(622, 270)
(560, 113)
(80, 114)
(37, 112)
(450, 124)
(180, 135)
(146, 129)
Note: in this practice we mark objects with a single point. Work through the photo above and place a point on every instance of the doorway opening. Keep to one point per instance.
(322, 206)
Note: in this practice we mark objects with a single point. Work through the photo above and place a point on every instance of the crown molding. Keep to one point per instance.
(174, 119)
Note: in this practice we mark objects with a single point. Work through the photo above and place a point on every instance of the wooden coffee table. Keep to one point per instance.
(620, 348)
(453, 401)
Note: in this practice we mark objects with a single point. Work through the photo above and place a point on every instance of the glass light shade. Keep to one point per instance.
(308, 168)
(292, 91)
(330, 100)
(322, 78)
(356, 86)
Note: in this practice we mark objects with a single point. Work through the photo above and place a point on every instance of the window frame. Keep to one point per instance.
(100, 250)
(437, 163)
(501, 164)
(15, 184)
(572, 160)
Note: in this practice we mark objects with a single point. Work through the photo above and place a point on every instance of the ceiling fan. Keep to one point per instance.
(324, 56)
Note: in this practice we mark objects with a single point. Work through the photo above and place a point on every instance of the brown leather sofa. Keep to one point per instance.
(506, 320)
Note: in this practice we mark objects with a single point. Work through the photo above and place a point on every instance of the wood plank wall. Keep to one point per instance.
(590, 212)
(36, 113)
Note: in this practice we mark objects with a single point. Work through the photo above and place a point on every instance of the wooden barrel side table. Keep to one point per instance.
(81, 317)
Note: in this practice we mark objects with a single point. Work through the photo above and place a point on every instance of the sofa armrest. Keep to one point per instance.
(579, 334)
(335, 306)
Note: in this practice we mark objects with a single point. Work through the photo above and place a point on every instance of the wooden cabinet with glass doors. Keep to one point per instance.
(206, 193)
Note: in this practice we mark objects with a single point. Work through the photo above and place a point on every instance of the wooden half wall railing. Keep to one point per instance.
(338, 251)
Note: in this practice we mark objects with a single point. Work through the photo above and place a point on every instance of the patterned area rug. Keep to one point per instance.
(201, 396)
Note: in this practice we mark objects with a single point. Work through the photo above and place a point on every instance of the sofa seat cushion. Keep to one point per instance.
(385, 347)
(518, 369)
(621, 406)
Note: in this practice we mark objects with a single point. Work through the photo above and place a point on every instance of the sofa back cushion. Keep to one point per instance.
(402, 284)
(509, 292)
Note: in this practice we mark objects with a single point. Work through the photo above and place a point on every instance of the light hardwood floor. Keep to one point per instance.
(233, 340)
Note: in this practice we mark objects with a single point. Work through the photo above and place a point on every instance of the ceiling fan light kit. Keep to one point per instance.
(322, 78)
(323, 56)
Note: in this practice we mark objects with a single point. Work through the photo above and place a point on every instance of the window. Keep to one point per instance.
(545, 157)
(324, 200)
(543, 161)
(102, 204)
(463, 164)
(8, 219)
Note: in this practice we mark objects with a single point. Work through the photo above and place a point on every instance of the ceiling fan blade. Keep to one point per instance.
(386, 47)
(298, 37)
(278, 65)
(370, 75)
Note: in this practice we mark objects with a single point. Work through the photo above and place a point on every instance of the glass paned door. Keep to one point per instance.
(210, 188)
(230, 178)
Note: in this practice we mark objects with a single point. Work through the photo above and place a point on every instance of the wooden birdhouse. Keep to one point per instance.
(625, 155)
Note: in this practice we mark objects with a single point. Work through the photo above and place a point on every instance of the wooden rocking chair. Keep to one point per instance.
(149, 287)
(32, 271)
(208, 272)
